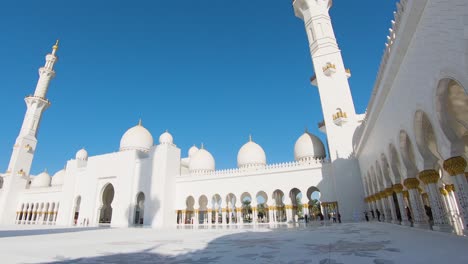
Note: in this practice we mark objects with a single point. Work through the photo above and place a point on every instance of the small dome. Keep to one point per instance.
(202, 161)
(41, 180)
(309, 146)
(166, 138)
(59, 178)
(82, 154)
(192, 151)
(136, 138)
(251, 155)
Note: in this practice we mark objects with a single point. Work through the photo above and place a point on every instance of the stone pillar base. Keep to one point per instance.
(422, 226)
(405, 223)
(443, 228)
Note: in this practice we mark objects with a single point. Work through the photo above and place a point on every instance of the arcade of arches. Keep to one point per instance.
(261, 208)
(432, 194)
(44, 213)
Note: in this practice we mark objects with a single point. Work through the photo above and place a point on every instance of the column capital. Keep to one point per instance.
(411, 183)
(398, 188)
(429, 176)
(443, 191)
(288, 206)
(455, 165)
(389, 192)
(406, 194)
(449, 187)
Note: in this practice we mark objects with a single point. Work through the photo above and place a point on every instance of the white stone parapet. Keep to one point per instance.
(270, 168)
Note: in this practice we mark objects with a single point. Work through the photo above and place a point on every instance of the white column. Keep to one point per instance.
(288, 208)
(439, 215)
(419, 214)
(398, 188)
(223, 215)
(254, 214)
(392, 208)
(184, 215)
(456, 168)
(454, 220)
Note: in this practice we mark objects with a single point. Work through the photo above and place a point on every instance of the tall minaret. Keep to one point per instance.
(16, 177)
(331, 76)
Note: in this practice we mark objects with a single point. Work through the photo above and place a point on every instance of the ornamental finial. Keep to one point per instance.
(139, 122)
(202, 146)
(55, 47)
(250, 137)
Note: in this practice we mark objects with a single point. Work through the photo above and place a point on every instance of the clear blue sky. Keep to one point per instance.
(208, 71)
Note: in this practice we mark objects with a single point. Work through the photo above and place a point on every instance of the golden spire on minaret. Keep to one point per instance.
(55, 47)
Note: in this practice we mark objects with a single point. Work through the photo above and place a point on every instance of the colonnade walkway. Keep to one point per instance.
(362, 243)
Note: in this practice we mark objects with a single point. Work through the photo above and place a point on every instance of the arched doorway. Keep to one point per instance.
(139, 209)
(105, 215)
(280, 211)
(246, 200)
(76, 210)
(262, 207)
(314, 203)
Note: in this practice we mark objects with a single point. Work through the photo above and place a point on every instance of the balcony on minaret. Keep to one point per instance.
(28, 148)
(313, 80)
(340, 118)
(329, 69)
(348, 73)
(21, 172)
(321, 127)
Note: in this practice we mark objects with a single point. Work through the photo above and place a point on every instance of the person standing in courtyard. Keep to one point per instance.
(378, 214)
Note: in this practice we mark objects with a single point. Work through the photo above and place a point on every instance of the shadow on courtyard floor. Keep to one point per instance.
(45, 231)
(275, 246)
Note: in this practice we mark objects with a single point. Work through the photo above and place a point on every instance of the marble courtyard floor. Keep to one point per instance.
(340, 243)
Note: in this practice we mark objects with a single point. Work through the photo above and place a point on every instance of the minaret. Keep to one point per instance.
(17, 176)
(331, 76)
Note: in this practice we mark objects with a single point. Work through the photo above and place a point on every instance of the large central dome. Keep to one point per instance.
(251, 155)
(136, 138)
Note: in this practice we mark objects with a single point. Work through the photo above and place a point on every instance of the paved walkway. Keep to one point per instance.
(341, 243)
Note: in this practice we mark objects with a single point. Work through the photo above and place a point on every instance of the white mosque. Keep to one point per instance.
(405, 157)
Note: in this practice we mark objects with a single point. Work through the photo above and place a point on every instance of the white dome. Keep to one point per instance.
(82, 154)
(136, 138)
(202, 161)
(192, 151)
(59, 178)
(166, 138)
(41, 180)
(309, 146)
(251, 155)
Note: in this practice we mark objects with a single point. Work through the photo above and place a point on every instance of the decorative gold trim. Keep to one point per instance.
(411, 183)
(389, 192)
(429, 176)
(288, 206)
(406, 194)
(328, 66)
(450, 187)
(443, 192)
(398, 188)
(455, 166)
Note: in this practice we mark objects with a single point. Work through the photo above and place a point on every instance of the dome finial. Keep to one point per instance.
(55, 47)
(139, 122)
(250, 137)
(306, 129)
(202, 146)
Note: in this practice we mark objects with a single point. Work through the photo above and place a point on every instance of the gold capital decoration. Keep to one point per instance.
(429, 176)
(210, 210)
(455, 166)
(288, 206)
(406, 194)
(449, 187)
(389, 192)
(411, 183)
(443, 192)
(306, 205)
(398, 188)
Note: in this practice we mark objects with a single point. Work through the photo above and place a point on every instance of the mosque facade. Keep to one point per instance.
(403, 161)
